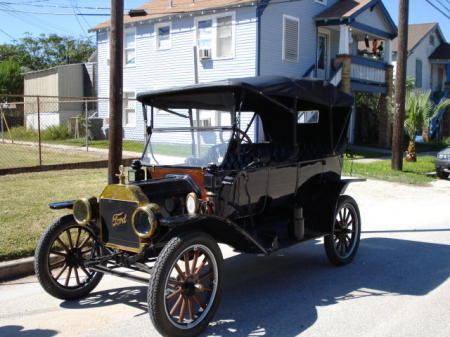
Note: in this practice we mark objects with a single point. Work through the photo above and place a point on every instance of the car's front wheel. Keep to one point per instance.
(59, 259)
(441, 174)
(343, 242)
(186, 286)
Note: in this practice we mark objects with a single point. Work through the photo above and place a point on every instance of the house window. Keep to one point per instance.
(129, 46)
(419, 73)
(322, 2)
(163, 36)
(432, 40)
(224, 37)
(205, 34)
(129, 108)
(216, 33)
(290, 38)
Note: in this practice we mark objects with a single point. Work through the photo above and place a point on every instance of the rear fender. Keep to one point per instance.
(319, 202)
(221, 229)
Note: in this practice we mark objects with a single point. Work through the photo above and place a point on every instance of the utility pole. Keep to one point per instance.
(115, 91)
(400, 86)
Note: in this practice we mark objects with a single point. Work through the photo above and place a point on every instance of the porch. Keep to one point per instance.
(354, 46)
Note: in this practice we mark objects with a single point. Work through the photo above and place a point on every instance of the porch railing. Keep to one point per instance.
(368, 70)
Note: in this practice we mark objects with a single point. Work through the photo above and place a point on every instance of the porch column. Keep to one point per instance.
(346, 61)
(388, 52)
(344, 40)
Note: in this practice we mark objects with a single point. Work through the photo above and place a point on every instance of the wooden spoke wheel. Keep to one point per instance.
(60, 256)
(342, 244)
(185, 289)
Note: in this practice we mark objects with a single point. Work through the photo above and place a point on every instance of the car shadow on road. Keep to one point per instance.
(18, 331)
(278, 295)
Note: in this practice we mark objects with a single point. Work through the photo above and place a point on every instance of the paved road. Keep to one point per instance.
(398, 285)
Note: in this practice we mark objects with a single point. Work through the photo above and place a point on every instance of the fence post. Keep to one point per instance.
(86, 123)
(39, 129)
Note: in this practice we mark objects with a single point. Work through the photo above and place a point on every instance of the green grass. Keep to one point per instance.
(363, 153)
(23, 204)
(16, 155)
(413, 173)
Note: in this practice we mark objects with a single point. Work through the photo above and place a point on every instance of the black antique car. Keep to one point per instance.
(254, 163)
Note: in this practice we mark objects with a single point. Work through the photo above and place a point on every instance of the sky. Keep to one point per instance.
(14, 24)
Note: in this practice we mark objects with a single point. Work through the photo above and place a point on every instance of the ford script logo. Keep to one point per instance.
(119, 219)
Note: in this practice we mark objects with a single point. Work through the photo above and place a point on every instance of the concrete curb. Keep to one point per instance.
(16, 268)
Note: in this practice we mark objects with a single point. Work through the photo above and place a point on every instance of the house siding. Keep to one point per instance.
(156, 69)
(421, 52)
(272, 36)
(374, 19)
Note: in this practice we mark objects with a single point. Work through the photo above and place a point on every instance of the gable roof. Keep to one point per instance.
(160, 8)
(344, 9)
(416, 33)
(441, 53)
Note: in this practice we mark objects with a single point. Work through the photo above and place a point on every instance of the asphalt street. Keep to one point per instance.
(398, 284)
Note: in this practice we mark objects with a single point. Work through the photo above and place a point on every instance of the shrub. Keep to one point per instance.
(55, 132)
(22, 133)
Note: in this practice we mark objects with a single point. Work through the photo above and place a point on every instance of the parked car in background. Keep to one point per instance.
(443, 163)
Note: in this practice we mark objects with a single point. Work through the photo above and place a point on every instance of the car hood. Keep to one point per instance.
(445, 151)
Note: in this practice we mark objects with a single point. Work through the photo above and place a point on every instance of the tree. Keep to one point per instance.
(419, 109)
(11, 79)
(45, 51)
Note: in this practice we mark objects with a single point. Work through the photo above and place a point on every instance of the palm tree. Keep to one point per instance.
(419, 111)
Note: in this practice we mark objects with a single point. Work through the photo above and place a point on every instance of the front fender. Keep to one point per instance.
(221, 229)
(62, 204)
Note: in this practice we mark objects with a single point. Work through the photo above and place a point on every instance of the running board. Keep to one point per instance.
(108, 271)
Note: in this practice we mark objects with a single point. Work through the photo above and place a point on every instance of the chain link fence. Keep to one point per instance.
(45, 130)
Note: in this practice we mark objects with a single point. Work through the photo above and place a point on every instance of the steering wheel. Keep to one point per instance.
(244, 136)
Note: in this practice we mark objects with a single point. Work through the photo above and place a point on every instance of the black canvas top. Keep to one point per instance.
(220, 95)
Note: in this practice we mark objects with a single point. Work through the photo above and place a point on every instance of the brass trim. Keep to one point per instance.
(150, 210)
(196, 202)
(126, 248)
(87, 204)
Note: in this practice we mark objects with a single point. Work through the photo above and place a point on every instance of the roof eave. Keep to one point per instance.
(187, 13)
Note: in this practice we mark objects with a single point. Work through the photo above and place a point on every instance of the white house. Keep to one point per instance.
(239, 38)
(428, 56)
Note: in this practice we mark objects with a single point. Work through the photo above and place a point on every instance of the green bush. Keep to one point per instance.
(22, 133)
(55, 132)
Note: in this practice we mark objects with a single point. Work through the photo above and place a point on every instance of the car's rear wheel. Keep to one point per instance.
(60, 256)
(186, 286)
(441, 174)
(342, 244)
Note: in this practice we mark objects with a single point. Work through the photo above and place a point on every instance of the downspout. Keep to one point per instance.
(260, 7)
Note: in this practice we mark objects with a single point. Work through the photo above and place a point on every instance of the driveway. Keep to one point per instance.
(397, 286)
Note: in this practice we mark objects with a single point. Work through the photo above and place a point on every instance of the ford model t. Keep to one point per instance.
(254, 163)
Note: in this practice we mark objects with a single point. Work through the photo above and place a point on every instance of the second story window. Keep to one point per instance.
(224, 37)
(163, 36)
(290, 38)
(216, 35)
(205, 34)
(130, 46)
(432, 40)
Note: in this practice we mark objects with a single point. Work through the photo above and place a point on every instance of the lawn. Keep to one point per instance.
(23, 204)
(413, 173)
(15, 155)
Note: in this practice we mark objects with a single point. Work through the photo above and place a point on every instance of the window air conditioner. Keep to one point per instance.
(204, 54)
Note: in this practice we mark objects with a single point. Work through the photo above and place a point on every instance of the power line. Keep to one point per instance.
(443, 5)
(7, 34)
(438, 9)
(54, 6)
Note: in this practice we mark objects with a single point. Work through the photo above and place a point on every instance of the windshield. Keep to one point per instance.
(186, 138)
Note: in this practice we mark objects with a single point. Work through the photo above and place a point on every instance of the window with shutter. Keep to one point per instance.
(290, 38)
(418, 73)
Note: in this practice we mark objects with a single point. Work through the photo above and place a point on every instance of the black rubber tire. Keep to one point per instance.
(41, 266)
(441, 174)
(156, 291)
(330, 247)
